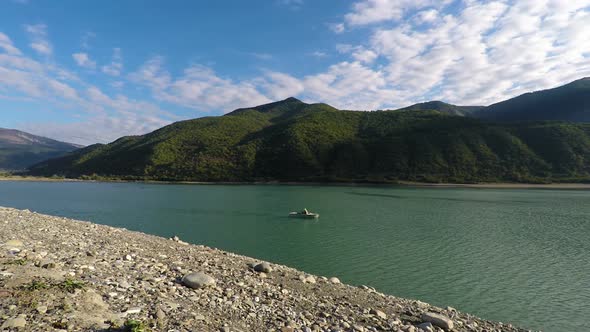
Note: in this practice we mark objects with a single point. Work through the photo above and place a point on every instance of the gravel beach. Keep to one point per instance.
(59, 274)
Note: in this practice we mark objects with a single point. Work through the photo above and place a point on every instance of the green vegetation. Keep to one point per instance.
(70, 285)
(294, 141)
(443, 108)
(35, 285)
(570, 102)
(19, 261)
(135, 326)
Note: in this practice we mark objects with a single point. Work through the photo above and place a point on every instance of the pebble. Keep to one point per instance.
(134, 310)
(378, 313)
(334, 280)
(14, 243)
(12, 323)
(439, 320)
(263, 267)
(198, 280)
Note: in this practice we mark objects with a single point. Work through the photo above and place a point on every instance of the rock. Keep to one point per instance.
(198, 280)
(263, 267)
(15, 323)
(134, 310)
(14, 243)
(42, 309)
(378, 313)
(334, 280)
(46, 264)
(439, 320)
(426, 327)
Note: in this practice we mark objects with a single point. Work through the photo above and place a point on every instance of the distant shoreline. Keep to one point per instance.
(499, 185)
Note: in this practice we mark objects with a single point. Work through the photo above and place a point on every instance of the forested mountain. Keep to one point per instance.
(443, 107)
(570, 102)
(294, 141)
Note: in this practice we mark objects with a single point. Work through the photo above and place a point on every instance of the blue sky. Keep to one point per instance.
(92, 71)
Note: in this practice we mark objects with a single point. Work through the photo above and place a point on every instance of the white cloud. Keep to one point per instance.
(280, 86)
(482, 52)
(83, 60)
(337, 27)
(39, 41)
(374, 11)
(116, 65)
(7, 45)
(198, 88)
(319, 54)
(101, 117)
(86, 37)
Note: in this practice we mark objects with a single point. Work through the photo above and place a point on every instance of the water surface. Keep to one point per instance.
(510, 255)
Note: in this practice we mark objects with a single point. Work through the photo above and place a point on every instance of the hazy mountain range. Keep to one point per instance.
(19, 150)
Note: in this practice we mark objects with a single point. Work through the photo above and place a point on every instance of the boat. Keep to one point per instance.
(304, 215)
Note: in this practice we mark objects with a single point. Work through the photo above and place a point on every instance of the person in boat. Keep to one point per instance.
(305, 212)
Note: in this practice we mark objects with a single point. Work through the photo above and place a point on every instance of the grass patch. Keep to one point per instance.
(20, 261)
(135, 326)
(70, 285)
(35, 285)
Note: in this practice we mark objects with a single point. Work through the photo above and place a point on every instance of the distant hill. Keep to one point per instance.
(294, 141)
(19, 150)
(442, 107)
(570, 102)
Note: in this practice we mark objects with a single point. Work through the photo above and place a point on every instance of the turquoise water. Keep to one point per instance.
(519, 256)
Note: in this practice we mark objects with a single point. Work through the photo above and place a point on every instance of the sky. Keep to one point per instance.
(92, 71)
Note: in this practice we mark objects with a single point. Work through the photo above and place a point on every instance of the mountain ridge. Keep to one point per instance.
(19, 149)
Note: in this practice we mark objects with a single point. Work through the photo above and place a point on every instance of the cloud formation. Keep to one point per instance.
(83, 60)
(95, 116)
(116, 65)
(399, 52)
(39, 41)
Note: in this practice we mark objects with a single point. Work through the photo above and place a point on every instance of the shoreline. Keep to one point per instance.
(63, 274)
(490, 185)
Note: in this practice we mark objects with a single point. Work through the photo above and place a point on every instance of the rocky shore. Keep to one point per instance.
(58, 274)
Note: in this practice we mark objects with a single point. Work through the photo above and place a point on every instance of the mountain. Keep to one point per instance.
(294, 141)
(570, 102)
(442, 107)
(19, 150)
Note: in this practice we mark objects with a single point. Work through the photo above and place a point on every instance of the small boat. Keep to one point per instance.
(304, 215)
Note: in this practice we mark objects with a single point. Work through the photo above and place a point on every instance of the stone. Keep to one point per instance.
(334, 280)
(426, 327)
(198, 280)
(15, 323)
(42, 309)
(14, 243)
(46, 264)
(263, 267)
(378, 313)
(134, 310)
(439, 320)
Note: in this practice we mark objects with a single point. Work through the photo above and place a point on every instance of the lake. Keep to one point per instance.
(510, 255)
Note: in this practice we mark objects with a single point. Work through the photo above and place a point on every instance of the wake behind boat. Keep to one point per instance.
(304, 214)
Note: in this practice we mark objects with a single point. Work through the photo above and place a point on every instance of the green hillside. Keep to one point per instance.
(442, 107)
(570, 102)
(294, 141)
